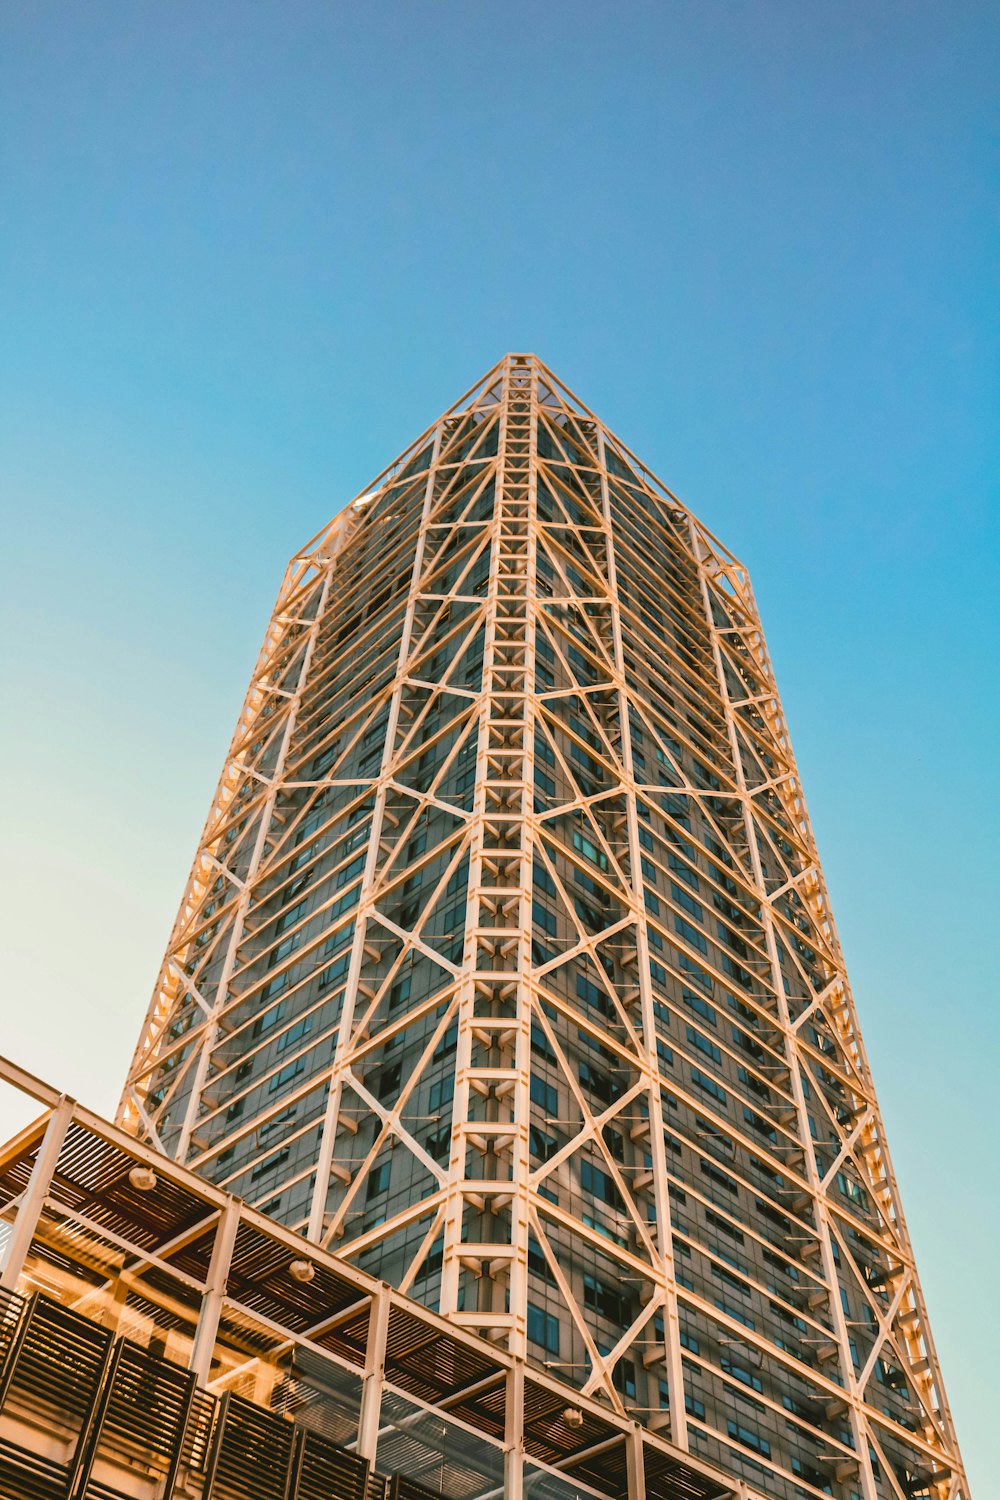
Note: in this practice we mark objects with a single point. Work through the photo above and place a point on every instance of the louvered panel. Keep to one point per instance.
(251, 1453)
(349, 1338)
(93, 1178)
(196, 1447)
(55, 1364)
(324, 1471)
(26, 1476)
(11, 1313)
(426, 1362)
(669, 1479)
(140, 1419)
(606, 1471)
(97, 1490)
(148, 1405)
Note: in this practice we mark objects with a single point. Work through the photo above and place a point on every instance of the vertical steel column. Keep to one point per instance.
(635, 1468)
(369, 1420)
(516, 631)
(32, 1202)
(664, 1274)
(498, 951)
(454, 1196)
(513, 1457)
(203, 1347)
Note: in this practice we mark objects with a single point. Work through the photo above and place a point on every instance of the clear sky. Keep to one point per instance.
(249, 251)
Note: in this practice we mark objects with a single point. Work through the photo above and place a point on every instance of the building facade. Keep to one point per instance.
(507, 972)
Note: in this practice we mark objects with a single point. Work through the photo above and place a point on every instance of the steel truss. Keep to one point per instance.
(506, 966)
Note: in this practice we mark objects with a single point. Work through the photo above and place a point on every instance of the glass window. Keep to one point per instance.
(589, 850)
(691, 934)
(545, 1095)
(543, 1328)
(709, 1085)
(378, 1179)
(286, 1074)
(704, 1045)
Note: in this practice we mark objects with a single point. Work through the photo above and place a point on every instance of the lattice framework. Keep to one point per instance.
(507, 969)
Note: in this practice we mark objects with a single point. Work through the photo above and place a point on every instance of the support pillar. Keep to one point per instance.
(513, 1457)
(374, 1377)
(215, 1290)
(33, 1200)
(634, 1467)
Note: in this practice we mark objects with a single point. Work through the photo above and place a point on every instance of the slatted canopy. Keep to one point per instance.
(169, 1329)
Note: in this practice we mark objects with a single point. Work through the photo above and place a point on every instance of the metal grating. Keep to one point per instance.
(669, 1479)
(117, 1407)
(92, 1178)
(324, 1471)
(554, 1436)
(30, 1476)
(251, 1453)
(55, 1365)
(426, 1362)
(407, 1489)
(259, 1279)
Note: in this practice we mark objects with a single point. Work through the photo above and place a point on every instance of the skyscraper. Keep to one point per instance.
(506, 968)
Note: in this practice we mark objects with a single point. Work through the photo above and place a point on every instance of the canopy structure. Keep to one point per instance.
(160, 1339)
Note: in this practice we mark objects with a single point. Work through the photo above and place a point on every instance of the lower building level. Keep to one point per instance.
(159, 1340)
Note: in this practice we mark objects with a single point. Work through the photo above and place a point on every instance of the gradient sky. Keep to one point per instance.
(250, 251)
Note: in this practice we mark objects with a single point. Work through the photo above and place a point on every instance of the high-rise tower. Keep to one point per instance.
(507, 971)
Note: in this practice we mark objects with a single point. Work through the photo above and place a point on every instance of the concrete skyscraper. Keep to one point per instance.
(506, 969)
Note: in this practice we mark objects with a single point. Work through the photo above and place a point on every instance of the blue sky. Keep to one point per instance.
(250, 251)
